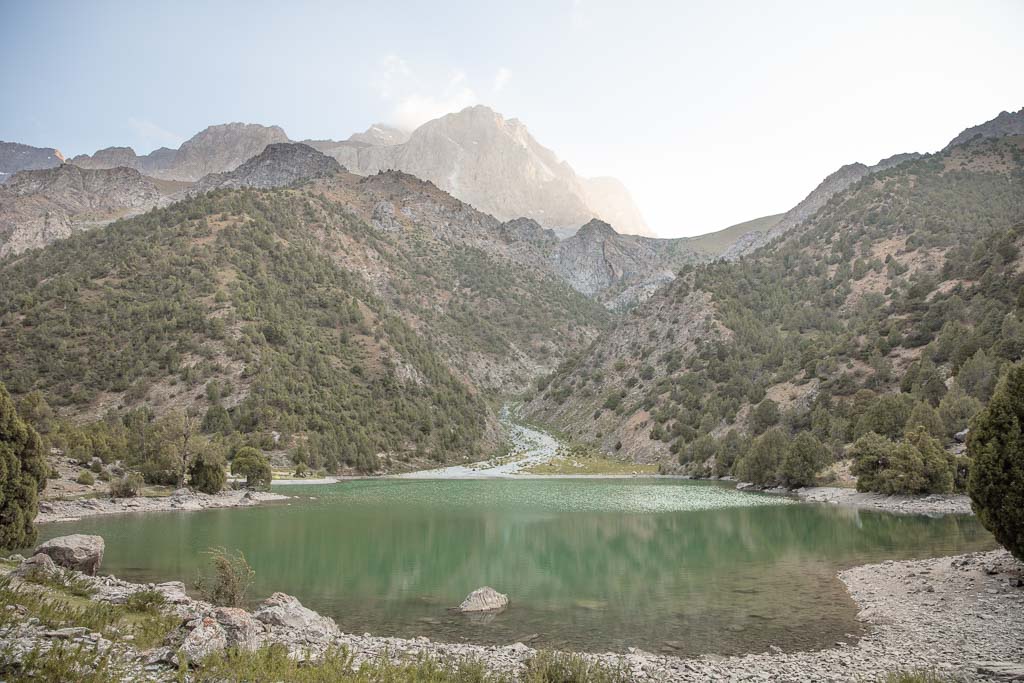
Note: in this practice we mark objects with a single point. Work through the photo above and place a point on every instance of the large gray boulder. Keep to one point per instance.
(39, 565)
(206, 638)
(484, 599)
(285, 611)
(80, 552)
(243, 631)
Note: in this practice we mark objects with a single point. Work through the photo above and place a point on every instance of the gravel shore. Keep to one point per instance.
(961, 617)
(182, 500)
(935, 504)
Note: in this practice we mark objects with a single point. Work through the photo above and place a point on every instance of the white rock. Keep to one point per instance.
(80, 552)
(484, 599)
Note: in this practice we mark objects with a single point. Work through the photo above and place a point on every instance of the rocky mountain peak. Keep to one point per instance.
(596, 229)
(380, 134)
(278, 165)
(1007, 123)
(15, 157)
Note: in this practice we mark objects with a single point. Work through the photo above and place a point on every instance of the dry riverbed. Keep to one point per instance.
(959, 617)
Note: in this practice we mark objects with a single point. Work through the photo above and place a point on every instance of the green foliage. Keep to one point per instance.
(956, 409)
(802, 461)
(22, 476)
(914, 466)
(923, 415)
(761, 463)
(86, 478)
(207, 471)
(147, 601)
(765, 415)
(254, 466)
(229, 578)
(886, 416)
(996, 445)
(128, 486)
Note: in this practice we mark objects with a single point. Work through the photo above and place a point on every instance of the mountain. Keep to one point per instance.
(717, 243)
(833, 184)
(40, 206)
(380, 134)
(495, 164)
(15, 157)
(215, 149)
(901, 293)
(279, 164)
(1007, 123)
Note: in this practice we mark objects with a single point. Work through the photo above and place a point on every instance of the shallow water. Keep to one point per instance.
(687, 567)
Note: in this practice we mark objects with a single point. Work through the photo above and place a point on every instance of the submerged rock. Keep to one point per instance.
(80, 552)
(484, 599)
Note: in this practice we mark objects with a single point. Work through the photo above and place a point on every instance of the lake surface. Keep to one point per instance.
(689, 567)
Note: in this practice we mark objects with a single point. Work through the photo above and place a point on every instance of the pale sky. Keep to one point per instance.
(711, 113)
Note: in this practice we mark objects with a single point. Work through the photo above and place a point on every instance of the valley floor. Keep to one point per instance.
(960, 618)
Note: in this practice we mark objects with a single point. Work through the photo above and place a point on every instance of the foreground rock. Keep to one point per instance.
(960, 617)
(182, 500)
(79, 552)
(484, 599)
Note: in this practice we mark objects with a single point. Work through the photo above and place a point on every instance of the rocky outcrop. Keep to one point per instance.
(80, 552)
(285, 611)
(484, 599)
(279, 165)
(1007, 123)
(207, 637)
(39, 564)
(213, 150)
(494, 164)
(38, 207)
(15, 157)
(241, 629)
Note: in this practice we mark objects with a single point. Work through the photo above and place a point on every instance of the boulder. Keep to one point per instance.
(242, 629)
(207, 638)
(286, 611)
(80, 552)
(961, 437)
(484, 599)
(36, 565)
(173, 592)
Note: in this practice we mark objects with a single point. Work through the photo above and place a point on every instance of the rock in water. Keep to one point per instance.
(286, 611)
(80, 552)
(484, 599)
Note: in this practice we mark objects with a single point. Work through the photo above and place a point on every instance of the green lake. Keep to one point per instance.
(589, 564)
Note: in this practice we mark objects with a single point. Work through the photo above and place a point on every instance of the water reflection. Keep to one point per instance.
(389, 559)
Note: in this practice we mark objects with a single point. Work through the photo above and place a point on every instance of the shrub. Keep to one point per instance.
(230, 579)
(802, 461)
(22, 476)
(86, 478)
(128, 486)
(916, 465)
(147, 601)
(761, 464)
(996, 445)
(254, 466)
(765, 415)
(206, 471)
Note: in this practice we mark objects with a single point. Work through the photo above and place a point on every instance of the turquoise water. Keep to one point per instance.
(687, 567)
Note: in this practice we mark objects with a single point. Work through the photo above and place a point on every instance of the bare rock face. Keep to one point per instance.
(241, 629)
(484, 599)
(206, 638)
(15, 157)
(285, 611)
(1007, 123)
(279, 165)
(80, 552)
(39, 207)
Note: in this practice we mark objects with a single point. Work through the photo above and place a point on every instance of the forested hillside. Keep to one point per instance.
(894, 306)
(285, 311)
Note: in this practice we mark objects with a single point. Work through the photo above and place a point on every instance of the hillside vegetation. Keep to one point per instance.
(894, 306)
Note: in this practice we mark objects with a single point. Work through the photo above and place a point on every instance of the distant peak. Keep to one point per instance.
(596, 228)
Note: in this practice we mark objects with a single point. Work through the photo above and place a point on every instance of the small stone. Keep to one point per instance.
(484, 599)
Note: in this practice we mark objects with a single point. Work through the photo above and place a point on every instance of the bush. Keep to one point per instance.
(128, 486)
(230, 580)
(147, 601)
(207, 471)
(22, 476)
(916, 465)
(254, 466)
(996, 445)
(761, 464)
(86, 478)
(765, 415)
(802, 461)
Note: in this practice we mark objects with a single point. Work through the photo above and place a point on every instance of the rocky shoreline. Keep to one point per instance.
(961, 617)
(182, 500)
(934, 504)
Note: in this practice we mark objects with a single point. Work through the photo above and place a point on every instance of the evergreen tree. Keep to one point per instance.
(254, 466)
(761, 464)
(22, 476)
(996, 444)
(802, 461)
(206, 471)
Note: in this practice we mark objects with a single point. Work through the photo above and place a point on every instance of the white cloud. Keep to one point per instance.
(416, 97)
(501, 79)
(152, 135)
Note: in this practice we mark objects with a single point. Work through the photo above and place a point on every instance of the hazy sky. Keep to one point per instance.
(711, 113)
